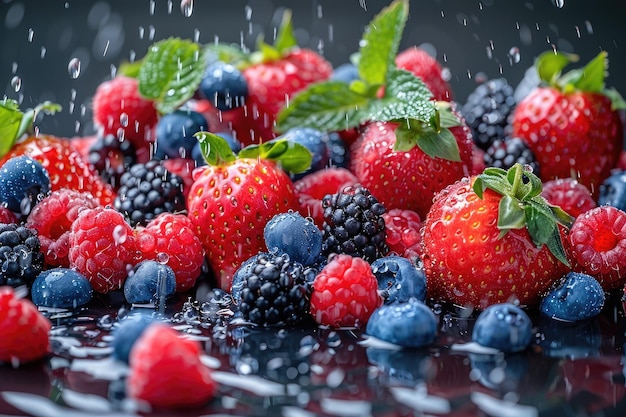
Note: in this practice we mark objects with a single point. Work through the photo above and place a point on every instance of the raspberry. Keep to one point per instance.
(345, 293)
(21, 259)
(170, 239)
(102, 248)
(52, 218)
(569, 194)
(166, 371)
(120, 110)
(7, 216)
(312, 189)
(598, 244)
(23, 328)
(403, 232)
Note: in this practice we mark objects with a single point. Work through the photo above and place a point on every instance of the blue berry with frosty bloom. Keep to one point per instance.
(61, 288)
(294, 235)
(23, 183)
(505, 327)
(613, 191)
(175, 134)
(411, 324)
(399, 279)
(578, 297)
(224, 86)
(149, 281)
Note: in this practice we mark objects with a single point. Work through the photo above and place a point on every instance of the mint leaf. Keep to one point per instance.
(229, 53)
(10, 120)
(592, 77)
(550, 64)
(328, 106)
(380, 42)
(285, 38)
(291, 156)
(215, 149)
(436, 145)
(171, 72)
(130, 69)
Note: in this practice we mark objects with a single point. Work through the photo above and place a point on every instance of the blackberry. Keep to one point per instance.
(111, 158)
(506, 153)
(21, 259)
(487, 110)
(353, 224)
(274, 291)
(147, 190)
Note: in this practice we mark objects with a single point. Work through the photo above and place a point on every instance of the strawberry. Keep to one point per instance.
(65, 165)
(23, 328)
(166, 371)
(233, 198)
(490, 238)
(420, 63)
(572, 124)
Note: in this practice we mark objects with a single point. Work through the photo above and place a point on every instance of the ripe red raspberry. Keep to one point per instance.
(120, 110)
(569, 194)
(424, 66)
(598, 245)
(312, 188)
(403, 232)
(345, 293)
(23, 328)
(170, 239)
(102, 248)
(166, 371)
(53, 218)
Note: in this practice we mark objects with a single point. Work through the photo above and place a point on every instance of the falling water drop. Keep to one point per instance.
(43, 52)
(152, 6)
(186, 7)
(31, 34)
(514, 55)
(73, 68)
(124, 119)
(559, 3)
(16, 83)
(248, 10)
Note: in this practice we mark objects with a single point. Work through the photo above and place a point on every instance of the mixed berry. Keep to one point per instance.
(304, 197)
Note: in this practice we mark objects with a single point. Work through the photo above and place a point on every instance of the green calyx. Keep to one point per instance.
(590, 78)
(285, 41)
(290, 156)
(522, 206)
(334, 105)
(15, 123)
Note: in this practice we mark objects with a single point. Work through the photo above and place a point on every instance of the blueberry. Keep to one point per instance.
(315, 141)
(399, 279)
(196, 153)
(148, 282)
(613, 191)
(503, 326)
(61, 288)
(174, 134)
(346, 73)
(338, 151)
(578, 297)
(410, 324)
(224, 86)
(23, 183)
(126, 334)
(292, 234)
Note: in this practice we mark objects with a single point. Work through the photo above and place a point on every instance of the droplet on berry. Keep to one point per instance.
(119, 234)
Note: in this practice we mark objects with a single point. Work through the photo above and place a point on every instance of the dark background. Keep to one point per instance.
(470, 38)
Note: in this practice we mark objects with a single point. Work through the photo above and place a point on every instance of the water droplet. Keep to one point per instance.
(73, 68)
(141, 32)
(248, 10)
(119, 234)
(43, 52)
(162, 258)
(31, 34)
(559, 3)
(514, 55)
(16, 83)
(124, 119)
(186, 7)
(169, 6)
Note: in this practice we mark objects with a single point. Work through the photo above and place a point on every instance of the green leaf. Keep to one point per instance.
(446, 117)
(171, 72)
(561, 216)
(544, 230)
(380, 42)
(130, 69)
(510, 215)
(555, 246)
(436, 145)
(10, 120)
(550, 64)
(229, 53)
(285, 38)
(47, 107)
(326, 106)
(617, 101)
(215, 149)
(291, 156)
(593, 74)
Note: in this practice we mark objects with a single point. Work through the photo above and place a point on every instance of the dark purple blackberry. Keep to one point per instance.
(111, 158)
(506, 153)
(21, 259)
(353, 224)
(274, 291)
(487, 111)
(147, 190)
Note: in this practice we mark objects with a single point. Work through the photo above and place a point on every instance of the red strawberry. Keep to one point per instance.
(65, 165)
(569, 194)
(170, 239)
(120, 110)
(598, 244)
(102, 248)
(166, 370)
(231, 201)
(420, 63)
(570, 125)
(478, 251)
(23, 328)
(406, 179)
(345, 293)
